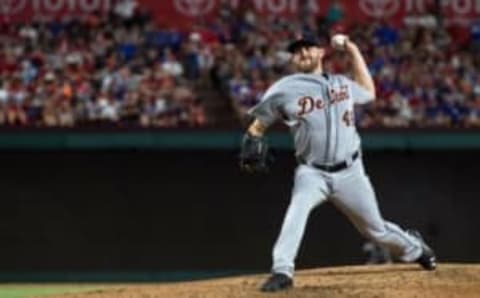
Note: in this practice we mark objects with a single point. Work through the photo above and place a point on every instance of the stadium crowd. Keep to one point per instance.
(427, 74)
(114, 69)
(123, 69)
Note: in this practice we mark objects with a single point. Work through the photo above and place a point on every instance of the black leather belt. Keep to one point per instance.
(336, 167)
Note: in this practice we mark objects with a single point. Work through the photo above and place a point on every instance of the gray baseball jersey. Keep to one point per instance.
(319, 111)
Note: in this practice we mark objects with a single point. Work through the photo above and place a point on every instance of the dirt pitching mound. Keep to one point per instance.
(449, 280)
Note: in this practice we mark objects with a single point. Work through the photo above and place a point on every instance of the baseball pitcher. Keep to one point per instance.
(319, 110)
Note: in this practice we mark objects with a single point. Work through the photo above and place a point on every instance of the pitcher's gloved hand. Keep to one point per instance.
(254, 154)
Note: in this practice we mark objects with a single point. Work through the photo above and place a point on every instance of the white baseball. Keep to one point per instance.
(339, 41)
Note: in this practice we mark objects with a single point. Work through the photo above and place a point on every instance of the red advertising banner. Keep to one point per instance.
(453, 12)
(28, 10)
(181, 13)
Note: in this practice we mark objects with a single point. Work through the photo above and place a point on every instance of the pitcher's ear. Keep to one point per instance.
(323, 52)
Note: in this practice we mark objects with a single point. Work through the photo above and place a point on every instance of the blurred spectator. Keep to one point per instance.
(475, 35)
(125, 9)
(334, 13)
(170, 64)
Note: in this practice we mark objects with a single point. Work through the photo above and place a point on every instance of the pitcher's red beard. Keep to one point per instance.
(306, 65)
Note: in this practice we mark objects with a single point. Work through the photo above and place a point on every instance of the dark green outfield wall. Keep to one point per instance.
(193, 210)
(205, 139)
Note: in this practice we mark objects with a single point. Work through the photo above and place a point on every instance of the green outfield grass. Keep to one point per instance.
(44, 285)
(27, 291)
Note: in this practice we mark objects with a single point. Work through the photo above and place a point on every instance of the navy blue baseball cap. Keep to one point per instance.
(305, 40)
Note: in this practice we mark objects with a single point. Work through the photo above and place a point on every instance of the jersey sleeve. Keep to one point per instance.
(267, 110)
(359, 94)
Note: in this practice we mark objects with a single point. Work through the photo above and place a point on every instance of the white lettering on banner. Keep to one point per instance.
(280, 6)
(455, 6)
(380, 8)
(462, 7)
(387, 8)
(53, 5)
(414, 5)
(194, 8)
(89, 5)
(11, 7)
(277, 6)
